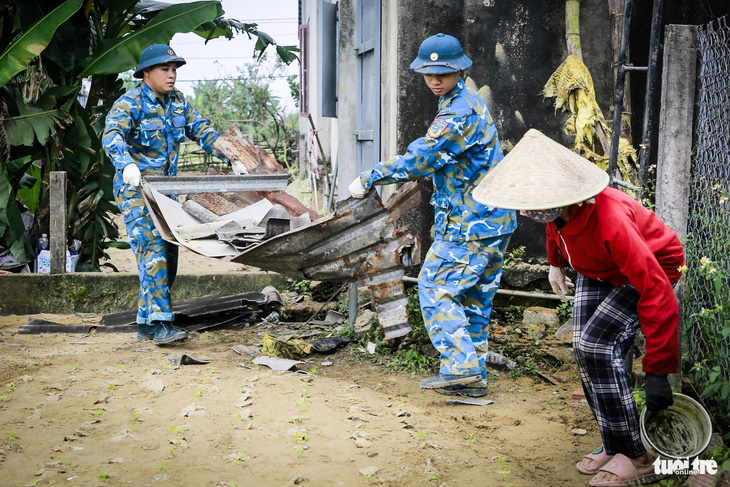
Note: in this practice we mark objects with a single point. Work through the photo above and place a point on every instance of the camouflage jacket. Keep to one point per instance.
(140, 130)
(460, 147)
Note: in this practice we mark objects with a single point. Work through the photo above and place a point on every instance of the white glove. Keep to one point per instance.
(561, 284)
(131, 175)
(356, 189)
(238, 167)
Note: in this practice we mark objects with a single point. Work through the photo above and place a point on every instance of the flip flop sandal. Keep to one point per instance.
(621, 466)
(599, 456)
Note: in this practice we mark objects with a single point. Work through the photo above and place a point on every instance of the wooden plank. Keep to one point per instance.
(58, 222)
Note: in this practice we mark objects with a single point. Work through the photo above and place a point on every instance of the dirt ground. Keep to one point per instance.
(105, 409)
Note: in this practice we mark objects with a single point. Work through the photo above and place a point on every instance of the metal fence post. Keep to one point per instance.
(58, 222)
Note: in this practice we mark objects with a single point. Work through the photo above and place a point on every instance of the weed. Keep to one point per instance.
(471, 439)
(136, 415)
(302, 440)
(11, 436)
(3, 398)
(420, 435)
(401, 403)
(302, 403)
(75, 369)
(162, 465)
(505, 467)
(122, 367)
(111, 389)
(11, 386)
(96, 414)
(565, 310)
(640, 399)
(239, 459)
(296, 419)
(515, 256)
(198, 394)
(211, 373)
(300, 286)
(103, 476)
(312, 372)
(151, 396)
(131, 427)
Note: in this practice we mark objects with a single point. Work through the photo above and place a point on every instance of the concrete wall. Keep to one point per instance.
(109, 293)
(346, 96)
(515, 47)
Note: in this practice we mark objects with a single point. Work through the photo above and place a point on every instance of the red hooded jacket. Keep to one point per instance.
(617, 240)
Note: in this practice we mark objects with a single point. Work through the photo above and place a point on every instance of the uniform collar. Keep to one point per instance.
(460, 85)
(153, 96)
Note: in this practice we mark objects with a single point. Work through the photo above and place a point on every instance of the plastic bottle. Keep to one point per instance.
(42, 244)
(43, 256)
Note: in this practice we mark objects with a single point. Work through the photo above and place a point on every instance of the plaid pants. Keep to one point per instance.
(605, 322)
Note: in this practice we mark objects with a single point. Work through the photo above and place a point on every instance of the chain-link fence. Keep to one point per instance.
(707, 303)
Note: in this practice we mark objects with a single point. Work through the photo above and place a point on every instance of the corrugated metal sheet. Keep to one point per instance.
(358, 243)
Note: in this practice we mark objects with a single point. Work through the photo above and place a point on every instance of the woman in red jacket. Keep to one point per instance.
(627, 261)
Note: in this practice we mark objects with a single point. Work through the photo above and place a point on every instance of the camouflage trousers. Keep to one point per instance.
(456, 286)
(156, 260)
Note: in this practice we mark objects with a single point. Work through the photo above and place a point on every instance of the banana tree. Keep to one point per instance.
(48, 52)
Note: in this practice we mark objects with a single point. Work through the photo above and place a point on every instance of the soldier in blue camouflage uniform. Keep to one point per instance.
(462, 270)
(143, 132)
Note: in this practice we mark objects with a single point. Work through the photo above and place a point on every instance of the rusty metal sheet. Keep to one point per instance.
(358, 243)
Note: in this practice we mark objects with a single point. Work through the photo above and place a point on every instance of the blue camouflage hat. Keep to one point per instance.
(157, 54)
(440, 54)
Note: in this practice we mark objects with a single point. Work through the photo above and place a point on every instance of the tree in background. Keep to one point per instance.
(248, 102)
(49, 50)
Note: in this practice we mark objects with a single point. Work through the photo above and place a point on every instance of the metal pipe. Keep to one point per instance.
(507, 292)
(218, 183)
(352, 306)
(618, 99)
(651, 89)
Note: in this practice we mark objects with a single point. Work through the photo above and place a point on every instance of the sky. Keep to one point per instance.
(219, 58)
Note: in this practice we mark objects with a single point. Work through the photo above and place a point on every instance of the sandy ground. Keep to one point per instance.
(77, 408)
(105, 409)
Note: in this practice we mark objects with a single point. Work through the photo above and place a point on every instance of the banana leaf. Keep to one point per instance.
(32, 123)
(117, 55)
(33, 41)
(12, 229)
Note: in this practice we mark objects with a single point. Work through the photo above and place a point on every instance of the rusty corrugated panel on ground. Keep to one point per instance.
(358, 243)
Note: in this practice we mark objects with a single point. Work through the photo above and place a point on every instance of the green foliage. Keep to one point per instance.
(32, 41)
(565, 310)
(50, 49)
(248, 102)
(515, 256)
(300, 286)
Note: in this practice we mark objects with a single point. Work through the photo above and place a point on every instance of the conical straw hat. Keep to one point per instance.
(539, 174)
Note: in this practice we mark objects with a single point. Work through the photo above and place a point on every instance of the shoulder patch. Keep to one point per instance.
(437, 128)
(178, 111)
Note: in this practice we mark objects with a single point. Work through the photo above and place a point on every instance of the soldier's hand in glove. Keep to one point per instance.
(238, 168)
(131, 175)
(658, 392)
(561, 284)
(356, 189)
